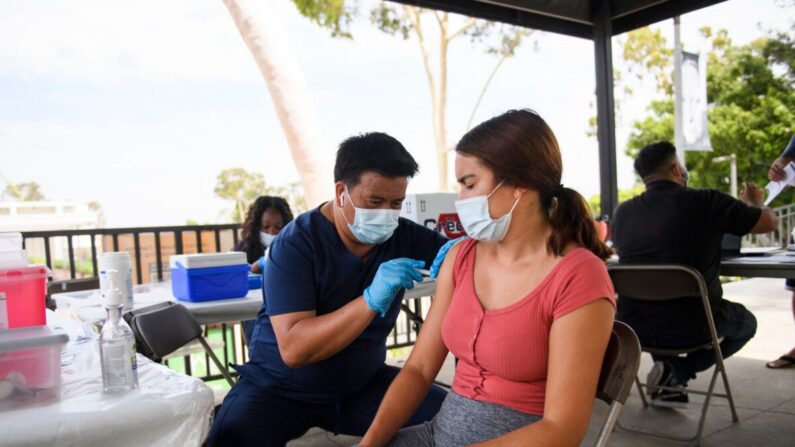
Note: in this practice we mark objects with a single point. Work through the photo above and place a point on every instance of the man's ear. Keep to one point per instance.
(676, 169)
(339, 193)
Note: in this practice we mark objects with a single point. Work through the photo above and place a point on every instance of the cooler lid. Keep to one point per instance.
(204, 260)
(29, 338)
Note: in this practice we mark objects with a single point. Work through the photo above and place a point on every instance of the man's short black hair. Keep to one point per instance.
(654, 157)
(374, 152)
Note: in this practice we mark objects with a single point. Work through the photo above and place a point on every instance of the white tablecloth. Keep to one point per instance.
(86, 305)
(167, 409)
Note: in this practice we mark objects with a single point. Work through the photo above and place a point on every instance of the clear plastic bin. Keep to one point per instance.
(30, 360)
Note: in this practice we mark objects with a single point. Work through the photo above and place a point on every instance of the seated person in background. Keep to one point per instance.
(776, 173)
(525, 304)
(265, 219)
(672, 224)
(332, 290)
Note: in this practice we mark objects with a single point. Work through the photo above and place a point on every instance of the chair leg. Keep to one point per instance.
(640, 391)
(608, 425)
(704, 409)
(217, 362)
(728, 390)
(702, 421)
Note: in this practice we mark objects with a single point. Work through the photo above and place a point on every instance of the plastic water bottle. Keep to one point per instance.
(116, 342)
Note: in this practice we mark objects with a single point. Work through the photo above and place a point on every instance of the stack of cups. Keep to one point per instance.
(121, 262)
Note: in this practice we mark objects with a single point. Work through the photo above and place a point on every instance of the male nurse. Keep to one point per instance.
(332, 290)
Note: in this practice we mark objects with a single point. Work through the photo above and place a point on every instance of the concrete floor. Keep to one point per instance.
(765, 398)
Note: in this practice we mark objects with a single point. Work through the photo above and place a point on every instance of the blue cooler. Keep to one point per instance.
(209, 276)
(254, 281)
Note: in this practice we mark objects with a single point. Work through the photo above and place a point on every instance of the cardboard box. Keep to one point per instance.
(434, 210)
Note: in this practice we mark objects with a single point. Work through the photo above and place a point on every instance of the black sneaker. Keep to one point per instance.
(660, 375)
(670, 398)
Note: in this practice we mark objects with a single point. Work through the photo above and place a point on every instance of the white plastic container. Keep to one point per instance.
(11, 253)
(30, 361)
(205, 260)
(435, 211)
(121, 262)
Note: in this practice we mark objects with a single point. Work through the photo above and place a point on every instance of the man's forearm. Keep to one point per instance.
(317, 338)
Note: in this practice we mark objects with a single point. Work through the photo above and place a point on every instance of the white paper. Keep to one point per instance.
(775, 188)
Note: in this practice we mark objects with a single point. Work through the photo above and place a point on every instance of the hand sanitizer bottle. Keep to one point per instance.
(116, 342)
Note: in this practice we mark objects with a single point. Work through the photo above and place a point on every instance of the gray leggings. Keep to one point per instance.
(463, 421)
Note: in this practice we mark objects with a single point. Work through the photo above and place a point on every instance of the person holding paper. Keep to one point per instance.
(673, 224)
(777, 174)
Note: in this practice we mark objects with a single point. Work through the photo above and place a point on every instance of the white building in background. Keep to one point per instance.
(48, 216)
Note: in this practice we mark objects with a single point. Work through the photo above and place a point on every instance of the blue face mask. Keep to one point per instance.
(477, 221)
(371, 226)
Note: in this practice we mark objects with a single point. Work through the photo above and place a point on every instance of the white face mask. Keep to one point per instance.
(371, 226)
(266, 239)
(477, 221)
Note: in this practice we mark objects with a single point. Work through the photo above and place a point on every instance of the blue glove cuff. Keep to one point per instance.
(370, 303)
(261, 263)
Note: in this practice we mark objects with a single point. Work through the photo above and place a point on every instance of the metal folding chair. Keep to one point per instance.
(165, 329)
(619, 370)
(667, 282)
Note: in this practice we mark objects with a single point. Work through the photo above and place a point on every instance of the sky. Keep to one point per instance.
(140, 105)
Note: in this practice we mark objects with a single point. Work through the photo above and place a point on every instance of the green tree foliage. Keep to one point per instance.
(23, 192)
(334, 15)
(751, 96)
(243, 187)
(623, 195)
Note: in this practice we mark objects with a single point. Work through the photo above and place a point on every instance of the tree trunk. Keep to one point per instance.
(261, 30)
(440, 108)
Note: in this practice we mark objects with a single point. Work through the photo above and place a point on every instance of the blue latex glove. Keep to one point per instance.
(389, 279)
(437, 263)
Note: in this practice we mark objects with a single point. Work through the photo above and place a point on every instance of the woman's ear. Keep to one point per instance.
(519, 192)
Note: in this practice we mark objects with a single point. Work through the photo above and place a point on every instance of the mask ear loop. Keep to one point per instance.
(342, 205)
(495, 189)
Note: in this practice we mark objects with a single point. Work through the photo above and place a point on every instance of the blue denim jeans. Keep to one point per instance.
(733, 322)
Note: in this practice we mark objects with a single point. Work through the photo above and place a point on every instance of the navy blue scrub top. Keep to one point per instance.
(309, 268)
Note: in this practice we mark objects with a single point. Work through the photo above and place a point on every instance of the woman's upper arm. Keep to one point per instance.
(577, 344)
(429, 351)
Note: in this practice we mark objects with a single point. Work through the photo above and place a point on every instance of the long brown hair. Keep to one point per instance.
(520, 148)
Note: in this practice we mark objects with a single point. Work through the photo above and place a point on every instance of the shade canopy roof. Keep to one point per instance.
(596, 20)
(569, 17)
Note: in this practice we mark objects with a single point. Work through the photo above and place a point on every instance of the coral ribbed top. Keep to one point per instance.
(502, 353)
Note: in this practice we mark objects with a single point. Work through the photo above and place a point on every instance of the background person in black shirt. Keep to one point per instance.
(673, 224)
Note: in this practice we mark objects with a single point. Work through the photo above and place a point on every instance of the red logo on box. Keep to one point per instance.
(450, 225)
